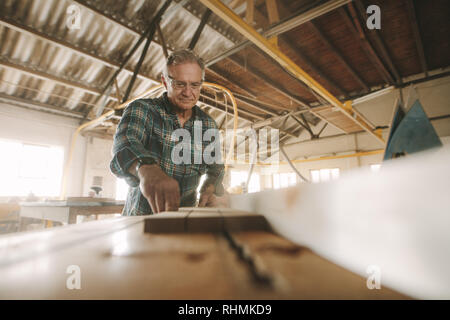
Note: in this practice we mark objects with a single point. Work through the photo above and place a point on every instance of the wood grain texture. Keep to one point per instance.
(118, 260)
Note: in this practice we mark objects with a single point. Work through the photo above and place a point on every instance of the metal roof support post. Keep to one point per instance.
(135, 47)
(199, 30)
(139, 64)
(163, 42)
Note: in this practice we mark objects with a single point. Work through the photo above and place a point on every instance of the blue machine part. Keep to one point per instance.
(411, 132)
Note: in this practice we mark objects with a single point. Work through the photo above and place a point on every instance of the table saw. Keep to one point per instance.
(117, 259)
(312, 241)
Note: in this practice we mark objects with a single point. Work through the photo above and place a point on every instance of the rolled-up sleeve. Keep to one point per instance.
(215, 171)
(134, 132)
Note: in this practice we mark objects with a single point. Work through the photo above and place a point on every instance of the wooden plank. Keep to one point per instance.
(274, 17)
(297, 271)
(166, 222)
(118, 260)
(272, 11)
(249, 12)
(364, 219)
(126, 264)
(194, 220)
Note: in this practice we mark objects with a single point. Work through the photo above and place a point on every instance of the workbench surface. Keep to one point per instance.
(118, 260)
(67, 211)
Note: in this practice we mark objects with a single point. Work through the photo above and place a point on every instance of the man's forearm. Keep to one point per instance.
(215, 182)
(208, 188)
(135, 172)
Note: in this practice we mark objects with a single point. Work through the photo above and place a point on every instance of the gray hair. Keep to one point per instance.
(183, 56)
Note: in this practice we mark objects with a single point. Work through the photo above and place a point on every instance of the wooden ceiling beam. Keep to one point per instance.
(379, 42)
(416, 33)
(271, 5)
(268, 82)
(300, 18)
(284, 26)
(360, 35)
(338, 55)
(272, 11)
(227, 79)
(274, 17)
(288, 42)
(249, 12)
(236, 22)
(278, 88)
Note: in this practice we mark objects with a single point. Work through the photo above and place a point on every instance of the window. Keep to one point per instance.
(375, 167)
(240, 177)
(121, 189)
(284, 180)
(27, 168)
(323, 175)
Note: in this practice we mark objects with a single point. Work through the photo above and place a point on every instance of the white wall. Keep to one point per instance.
(91, 156)
(98, 157)
(24, 125)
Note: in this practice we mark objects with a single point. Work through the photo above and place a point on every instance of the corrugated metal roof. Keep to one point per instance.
(35, 37)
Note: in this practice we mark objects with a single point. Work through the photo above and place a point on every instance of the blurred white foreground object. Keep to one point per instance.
(397, 219)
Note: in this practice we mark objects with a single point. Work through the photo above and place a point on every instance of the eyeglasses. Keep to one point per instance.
(181, 85)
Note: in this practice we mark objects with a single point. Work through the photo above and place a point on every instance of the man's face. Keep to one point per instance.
(183, 84)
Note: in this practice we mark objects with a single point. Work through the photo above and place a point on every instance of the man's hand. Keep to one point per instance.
(161, 191)
(209, 199)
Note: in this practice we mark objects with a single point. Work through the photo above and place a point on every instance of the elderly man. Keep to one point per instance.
(144, 144)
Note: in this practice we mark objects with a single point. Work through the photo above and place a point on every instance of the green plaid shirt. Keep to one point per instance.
(145, 131)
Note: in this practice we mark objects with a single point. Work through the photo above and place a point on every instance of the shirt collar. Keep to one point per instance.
(170, 108)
